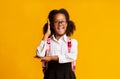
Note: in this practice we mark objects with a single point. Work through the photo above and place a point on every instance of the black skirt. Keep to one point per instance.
(57, 70)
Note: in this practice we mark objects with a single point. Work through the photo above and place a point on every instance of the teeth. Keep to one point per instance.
(60, 28)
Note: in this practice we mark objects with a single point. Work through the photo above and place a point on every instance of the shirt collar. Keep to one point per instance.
(64, 37)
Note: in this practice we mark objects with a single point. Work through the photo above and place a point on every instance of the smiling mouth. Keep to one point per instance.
(60, 28)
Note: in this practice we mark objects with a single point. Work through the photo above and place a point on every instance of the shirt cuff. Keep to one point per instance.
(61, 58)
(43, 42)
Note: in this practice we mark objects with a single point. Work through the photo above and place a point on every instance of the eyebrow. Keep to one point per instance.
(61, 20)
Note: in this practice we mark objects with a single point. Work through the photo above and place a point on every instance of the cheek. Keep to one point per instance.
(54, 27)
(66, 26)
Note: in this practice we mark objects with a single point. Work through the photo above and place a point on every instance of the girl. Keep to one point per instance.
(56, 50)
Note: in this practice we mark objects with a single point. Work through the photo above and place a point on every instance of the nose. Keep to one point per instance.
(60, 23)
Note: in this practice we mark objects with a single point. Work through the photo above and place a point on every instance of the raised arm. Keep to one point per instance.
(41, 49)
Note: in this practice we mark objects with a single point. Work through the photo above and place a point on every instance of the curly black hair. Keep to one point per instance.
(70, 26)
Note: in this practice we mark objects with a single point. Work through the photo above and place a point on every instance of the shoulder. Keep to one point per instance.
(74, 41)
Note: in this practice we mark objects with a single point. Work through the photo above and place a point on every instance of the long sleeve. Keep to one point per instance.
(41, 49)
(72, 55)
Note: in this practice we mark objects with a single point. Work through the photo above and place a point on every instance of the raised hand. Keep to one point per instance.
(48, 32)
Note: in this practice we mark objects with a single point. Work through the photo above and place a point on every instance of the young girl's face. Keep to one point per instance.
(60, 24)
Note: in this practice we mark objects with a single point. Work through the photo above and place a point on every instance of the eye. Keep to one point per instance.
(59, 21)
(63, 21)
(56, 22)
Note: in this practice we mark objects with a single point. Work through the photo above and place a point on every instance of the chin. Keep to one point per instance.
(60, 34)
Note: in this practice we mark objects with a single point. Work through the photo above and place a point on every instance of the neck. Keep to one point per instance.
(58, 36)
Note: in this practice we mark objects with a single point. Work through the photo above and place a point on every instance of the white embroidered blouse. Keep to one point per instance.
(59, 48)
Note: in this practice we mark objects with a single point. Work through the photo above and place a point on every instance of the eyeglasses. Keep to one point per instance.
(62, 22)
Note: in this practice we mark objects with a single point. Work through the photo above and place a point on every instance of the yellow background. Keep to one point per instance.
(98, 34)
